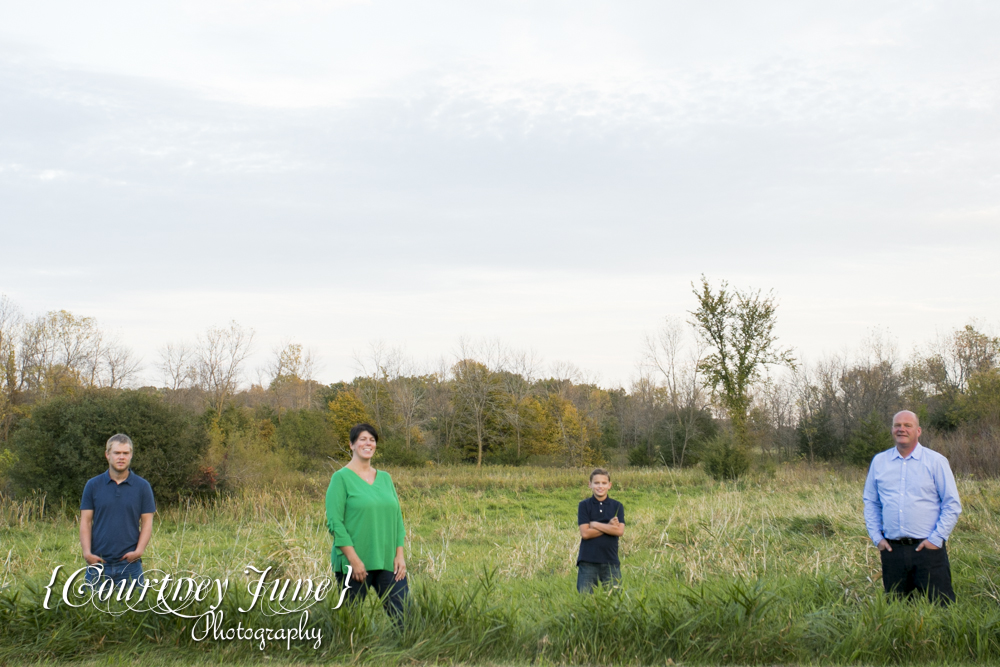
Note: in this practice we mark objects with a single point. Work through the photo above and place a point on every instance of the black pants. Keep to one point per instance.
(392, 592)
(905, 570)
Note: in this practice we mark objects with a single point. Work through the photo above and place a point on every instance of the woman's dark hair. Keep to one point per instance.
(361, 428)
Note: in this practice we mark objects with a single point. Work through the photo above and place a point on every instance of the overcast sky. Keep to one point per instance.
(553, 174)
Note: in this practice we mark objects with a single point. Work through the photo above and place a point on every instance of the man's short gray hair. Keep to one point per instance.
(119, 439)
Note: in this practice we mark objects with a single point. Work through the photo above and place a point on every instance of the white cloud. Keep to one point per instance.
(554, 173)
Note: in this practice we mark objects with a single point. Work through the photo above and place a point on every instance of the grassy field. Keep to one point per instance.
(774, 569)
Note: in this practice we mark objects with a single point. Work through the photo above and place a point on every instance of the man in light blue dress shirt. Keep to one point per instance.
(911, 507)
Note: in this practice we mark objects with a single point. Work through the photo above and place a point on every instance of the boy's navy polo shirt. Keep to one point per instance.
(603, 548)
(117, 507)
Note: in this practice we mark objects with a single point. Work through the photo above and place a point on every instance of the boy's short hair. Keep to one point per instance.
(600, 471)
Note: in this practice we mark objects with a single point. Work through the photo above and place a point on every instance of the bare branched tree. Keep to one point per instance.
(120, 366)
(11, 380)
(646, 397)
(518, 383)
(374, 390)
(439, 406)
(77, 341)
(289, 377)
(407, 392)
(36, 355)
(955, 358)
(50, 354)
(677, 366)
(221, 355)
(869, 385)
(177, 366)
(775, 401)
(476, 384)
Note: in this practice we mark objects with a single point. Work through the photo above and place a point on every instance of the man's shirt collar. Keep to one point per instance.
(108, 480)
(915, 454)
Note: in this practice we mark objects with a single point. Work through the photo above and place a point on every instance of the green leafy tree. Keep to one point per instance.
(738, 329)
(984, 396)
(307, 435)
(61, 445)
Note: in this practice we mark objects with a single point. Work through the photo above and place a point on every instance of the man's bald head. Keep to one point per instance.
(906, 431)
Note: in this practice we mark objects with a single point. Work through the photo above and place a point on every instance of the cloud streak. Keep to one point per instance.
(535, 172)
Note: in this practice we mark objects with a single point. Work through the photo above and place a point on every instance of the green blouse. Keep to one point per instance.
(364, 516)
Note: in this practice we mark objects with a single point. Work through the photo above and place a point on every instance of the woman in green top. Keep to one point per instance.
(363, 515)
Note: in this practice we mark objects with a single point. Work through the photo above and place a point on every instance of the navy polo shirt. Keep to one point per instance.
(603, 548)
(117, 507)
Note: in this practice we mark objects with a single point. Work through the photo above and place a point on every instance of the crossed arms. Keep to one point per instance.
(589, 531)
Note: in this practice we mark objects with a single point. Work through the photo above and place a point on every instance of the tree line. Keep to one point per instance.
(717, 388)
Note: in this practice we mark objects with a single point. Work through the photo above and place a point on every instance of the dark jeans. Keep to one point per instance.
(392, 592)
(117, 571)
(589, 575)
(905, 570)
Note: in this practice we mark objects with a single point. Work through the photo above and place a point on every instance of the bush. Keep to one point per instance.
(817, 438)
(724, 459)
(506, 456)
(306, 435)
(391, 451)
(984, 396)
(61, 445)
(870, 437)
(638, 457)
(671, 431)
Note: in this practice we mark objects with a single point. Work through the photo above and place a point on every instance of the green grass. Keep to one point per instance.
(769, 570)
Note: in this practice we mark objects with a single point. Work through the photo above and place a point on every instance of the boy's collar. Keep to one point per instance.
(594, 496)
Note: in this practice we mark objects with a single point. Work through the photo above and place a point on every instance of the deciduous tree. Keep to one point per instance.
(678, 371)
(477, 386)
(222, 353)
(738, 330)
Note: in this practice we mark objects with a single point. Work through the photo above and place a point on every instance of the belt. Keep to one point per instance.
(906, 541)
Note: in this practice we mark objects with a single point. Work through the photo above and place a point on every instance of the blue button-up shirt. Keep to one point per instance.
(913, 497)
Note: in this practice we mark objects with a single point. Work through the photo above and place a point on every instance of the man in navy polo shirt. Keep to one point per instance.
(602, 522)
(116, 517)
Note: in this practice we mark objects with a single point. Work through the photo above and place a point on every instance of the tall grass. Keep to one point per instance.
(766, 570)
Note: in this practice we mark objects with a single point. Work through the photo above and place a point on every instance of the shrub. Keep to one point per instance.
(307, 436)
(984, 396)
(391, 451)
(61, 445)
(818, 439)
(672, 430)
(870, 437)
(638, 457)
(506, 456)
(724, 459)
